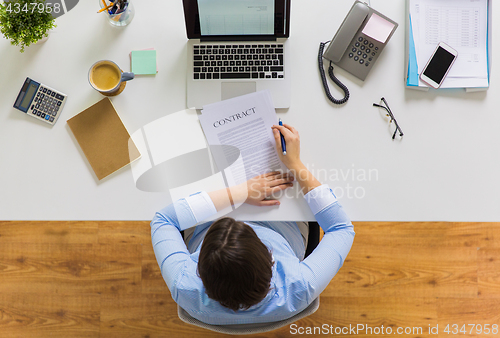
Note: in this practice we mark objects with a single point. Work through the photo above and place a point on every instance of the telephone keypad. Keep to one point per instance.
(363, 51)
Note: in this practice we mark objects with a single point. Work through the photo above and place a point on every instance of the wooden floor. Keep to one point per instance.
(101, 279)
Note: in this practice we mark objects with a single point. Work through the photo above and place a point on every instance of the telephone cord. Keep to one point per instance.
(332, 76)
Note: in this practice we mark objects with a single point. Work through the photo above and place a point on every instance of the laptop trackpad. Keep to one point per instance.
(233, 89)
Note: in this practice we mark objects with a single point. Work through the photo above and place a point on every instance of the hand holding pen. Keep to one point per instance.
(291, 142)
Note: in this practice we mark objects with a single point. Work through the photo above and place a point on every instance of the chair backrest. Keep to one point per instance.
(242, 329)
(312, 238)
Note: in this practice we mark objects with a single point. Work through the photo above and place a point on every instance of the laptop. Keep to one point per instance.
(236, 48)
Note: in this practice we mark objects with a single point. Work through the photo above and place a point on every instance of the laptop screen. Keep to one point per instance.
(227, 20)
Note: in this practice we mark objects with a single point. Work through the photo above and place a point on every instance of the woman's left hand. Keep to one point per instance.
(263, 186)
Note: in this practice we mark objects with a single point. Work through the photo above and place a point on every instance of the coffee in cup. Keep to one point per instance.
(106, 77)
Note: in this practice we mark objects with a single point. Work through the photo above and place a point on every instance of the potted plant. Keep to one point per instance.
(24, 22)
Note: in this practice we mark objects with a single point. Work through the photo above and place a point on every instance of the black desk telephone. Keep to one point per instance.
(356, 46)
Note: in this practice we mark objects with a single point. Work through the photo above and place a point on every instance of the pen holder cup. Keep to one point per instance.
(121, 17)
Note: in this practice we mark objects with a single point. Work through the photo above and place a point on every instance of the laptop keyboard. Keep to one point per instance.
(238, 62)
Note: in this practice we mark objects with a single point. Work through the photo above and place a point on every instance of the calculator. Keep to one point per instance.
(40, 101)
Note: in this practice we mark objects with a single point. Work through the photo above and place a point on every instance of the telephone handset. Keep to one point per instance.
(357, 44)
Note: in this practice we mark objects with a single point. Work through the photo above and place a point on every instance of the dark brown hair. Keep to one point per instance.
(234, 265)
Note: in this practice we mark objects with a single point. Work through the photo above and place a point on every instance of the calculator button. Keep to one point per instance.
(37, 106)
(38, 113)
(59, 97)
(49, 92)
(362, 47)
(51, 119)
(53, 94)
(361, 61)
(376, 48)
(354, 50)
(38, 94)
(370, 45)
(351, 55)
(370, 59)
(356, 58)
(59, 103)
(365, 56)
(365, 42)
(35, 111)
(32, 106)
(367, 64)
(357, 44)
(54, 113)
(360, 39)
(373, 53)
(360, 52)
(47, 117)
(43, 115)
(42, 96)
(368, 50)
(44, 90)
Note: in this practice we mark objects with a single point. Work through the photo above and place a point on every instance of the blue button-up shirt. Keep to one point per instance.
(295, 283)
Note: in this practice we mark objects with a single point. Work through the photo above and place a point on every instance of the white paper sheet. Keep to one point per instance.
(243, 122)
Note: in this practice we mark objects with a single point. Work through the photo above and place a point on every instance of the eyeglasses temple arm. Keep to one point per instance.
(392, 118)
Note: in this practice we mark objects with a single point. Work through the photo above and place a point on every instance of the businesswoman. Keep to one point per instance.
(233, 272)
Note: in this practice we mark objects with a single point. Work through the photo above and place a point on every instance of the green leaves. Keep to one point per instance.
(24, 22)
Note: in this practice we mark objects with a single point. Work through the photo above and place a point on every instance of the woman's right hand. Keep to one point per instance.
(292, 160)
(292, 140)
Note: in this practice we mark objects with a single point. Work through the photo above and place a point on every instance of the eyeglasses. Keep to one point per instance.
(391, 115)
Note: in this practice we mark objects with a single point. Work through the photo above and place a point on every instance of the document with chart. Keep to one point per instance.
(462, 24)
(242, 17)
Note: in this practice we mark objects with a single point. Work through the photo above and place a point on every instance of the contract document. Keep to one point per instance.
(245, 124)
(242, 143)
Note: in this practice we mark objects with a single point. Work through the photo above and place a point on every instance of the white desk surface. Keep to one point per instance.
(446, 168)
